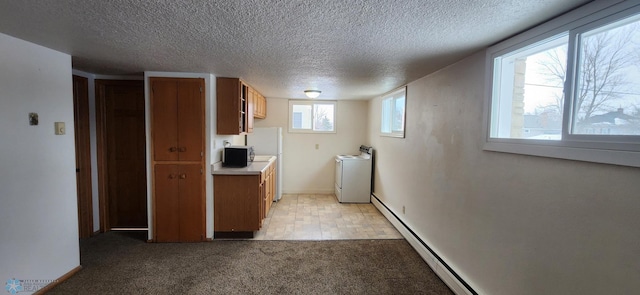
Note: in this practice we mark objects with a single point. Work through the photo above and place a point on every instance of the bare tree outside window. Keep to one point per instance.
(607, 96)
(323, 115)
(554, 70)
(312, 117)
(570, 90)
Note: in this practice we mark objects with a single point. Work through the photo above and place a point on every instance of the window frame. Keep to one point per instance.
(611, 149)
(312, 103)
(391, 96)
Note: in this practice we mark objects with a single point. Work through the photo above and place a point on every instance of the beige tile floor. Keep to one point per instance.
(322, 217)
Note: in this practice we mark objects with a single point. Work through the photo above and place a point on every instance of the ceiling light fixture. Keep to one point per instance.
(312, 93)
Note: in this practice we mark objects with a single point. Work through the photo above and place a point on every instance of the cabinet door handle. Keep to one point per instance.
(182, 149)
(171, 176)
(173, 149)
(183, 176)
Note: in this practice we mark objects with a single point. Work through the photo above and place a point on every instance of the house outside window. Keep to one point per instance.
(297, 120)
(571, 83)
(312, 116)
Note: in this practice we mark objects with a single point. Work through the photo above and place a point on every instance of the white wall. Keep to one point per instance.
(508, 224)
(37, 168)
(305, 168)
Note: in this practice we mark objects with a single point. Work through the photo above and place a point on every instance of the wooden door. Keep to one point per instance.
(167, 212)
(124, 152)
(83, 155)
(164, 119)
(191, 202)
(190, 122)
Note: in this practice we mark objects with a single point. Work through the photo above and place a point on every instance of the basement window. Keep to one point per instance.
(569, 88)
(393, 113)
(312, 116)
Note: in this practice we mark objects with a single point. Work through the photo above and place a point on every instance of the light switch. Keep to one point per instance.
(317, 146)
(60, 130)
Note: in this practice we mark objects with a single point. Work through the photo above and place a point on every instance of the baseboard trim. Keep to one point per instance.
(308, 192)
(59, 281)
(437, 264)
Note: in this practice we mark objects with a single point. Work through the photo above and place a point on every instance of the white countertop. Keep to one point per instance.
(259, 164)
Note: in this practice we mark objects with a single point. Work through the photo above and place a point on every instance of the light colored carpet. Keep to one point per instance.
(122, 263)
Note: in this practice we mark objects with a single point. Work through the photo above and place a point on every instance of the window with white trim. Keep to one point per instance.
(571, 90)
(393, 113)
(312, 116)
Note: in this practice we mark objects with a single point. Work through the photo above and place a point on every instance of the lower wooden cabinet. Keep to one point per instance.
(241, 202)
(269, 187)
(179, 202)
(236, 205)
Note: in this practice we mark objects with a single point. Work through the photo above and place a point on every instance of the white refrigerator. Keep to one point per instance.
(268, 141)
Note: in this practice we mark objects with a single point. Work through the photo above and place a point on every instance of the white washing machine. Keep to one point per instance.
(353, 176)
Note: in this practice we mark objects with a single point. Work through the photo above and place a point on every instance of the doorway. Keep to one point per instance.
(120, 116)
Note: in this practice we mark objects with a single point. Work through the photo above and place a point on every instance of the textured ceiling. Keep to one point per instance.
(347, 49)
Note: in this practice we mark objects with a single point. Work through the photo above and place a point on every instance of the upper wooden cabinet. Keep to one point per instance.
(237, 105)
(232, 97)
(250, 108)
(260, 106)
(177, 119)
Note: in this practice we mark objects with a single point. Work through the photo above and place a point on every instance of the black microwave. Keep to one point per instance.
(237, 156)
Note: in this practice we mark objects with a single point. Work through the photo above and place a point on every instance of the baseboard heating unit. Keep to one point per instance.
(437, 264)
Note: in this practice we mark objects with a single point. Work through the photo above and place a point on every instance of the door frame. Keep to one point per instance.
(101, 144)
(82, 135)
